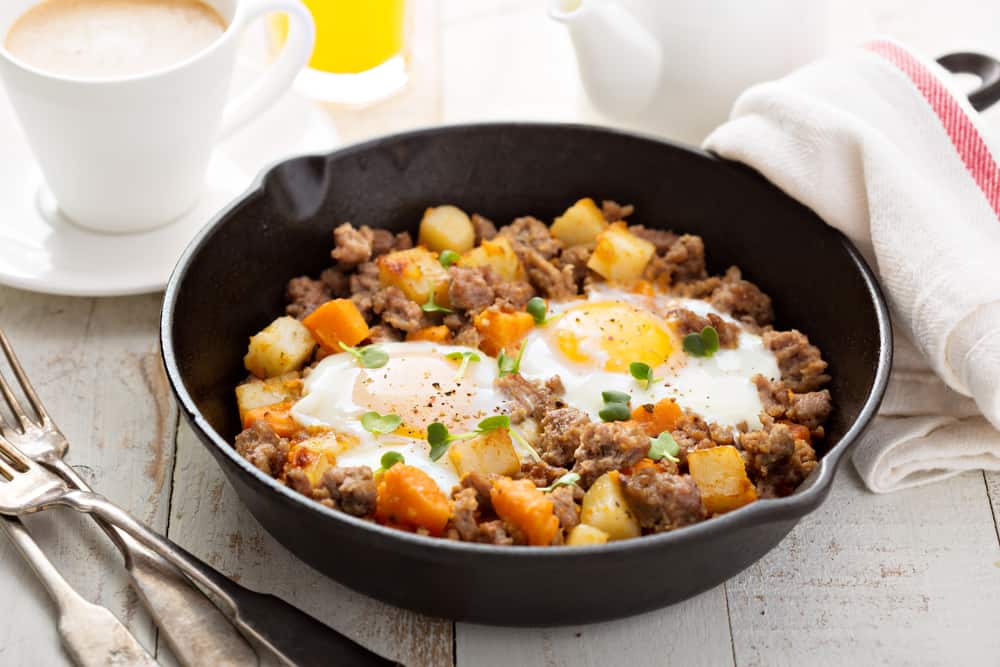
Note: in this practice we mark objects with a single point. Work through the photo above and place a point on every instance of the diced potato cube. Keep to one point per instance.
(580, 224)
(605, 508)
(446, 228)
(492, 452)
(583, 535)
(417, 272)
(620, 255)
(498, 254)
(721, 477)
(282, 346)
(315, 455)
(256, 393)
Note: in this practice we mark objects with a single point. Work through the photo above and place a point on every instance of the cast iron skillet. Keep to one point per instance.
(230, 283)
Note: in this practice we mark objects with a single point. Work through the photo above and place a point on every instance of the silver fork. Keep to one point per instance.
(92, 635)
(278, 631)
(196, 630)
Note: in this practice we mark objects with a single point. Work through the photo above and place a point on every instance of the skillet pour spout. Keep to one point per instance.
(230, 283)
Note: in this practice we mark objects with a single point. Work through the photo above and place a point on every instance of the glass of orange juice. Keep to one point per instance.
(358, 58)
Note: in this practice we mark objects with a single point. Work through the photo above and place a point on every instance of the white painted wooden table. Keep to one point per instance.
(909, 578)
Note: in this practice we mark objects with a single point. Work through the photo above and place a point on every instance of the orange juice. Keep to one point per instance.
(352, 36)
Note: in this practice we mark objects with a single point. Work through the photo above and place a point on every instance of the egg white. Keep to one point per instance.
(719, 388)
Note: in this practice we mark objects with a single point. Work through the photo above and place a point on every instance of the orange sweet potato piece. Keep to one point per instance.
(521, 504)
(335, 322)
(408, 497)
(659, 417)
(438, 334)
(721, 478)
(278, 416)
(799, 432)
(500, 330)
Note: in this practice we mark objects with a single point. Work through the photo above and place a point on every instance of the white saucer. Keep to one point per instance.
(42, 251)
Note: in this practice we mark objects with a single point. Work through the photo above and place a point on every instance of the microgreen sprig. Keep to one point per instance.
(440, 439)
(465, 358)
(703, 344)
(664, 446)
(448, 257)
(615, 407)
(568, 479)
(643, 373)
(378, 424)
(507, 364)
(538, 309)
(390, 459)
(432, 307)
(369, 356)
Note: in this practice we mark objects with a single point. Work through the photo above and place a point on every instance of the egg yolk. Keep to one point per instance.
(612, 334)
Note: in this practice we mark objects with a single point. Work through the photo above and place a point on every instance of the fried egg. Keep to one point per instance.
(419, 383)
(591, 342)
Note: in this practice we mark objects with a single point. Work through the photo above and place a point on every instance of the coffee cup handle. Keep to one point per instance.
(279, 77)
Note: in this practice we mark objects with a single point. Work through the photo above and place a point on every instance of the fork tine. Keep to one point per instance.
(14, 454)
(22, 379)
(6, 469)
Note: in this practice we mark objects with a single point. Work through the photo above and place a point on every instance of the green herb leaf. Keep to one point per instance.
(643, 373)
(390, 459)
(568, 479)
(431, 307)
(448, 257)
(378, 424)
(615, 412)
(615, 397)
(538, 309)
(465, 358)
(664, 446)
(439, 439)
(493, 423)
(507, 364)
(703, 344)
(369, 356)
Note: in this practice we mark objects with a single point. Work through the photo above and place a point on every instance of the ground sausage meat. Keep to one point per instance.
(613, 211)
(469, 289)
(689, 322)
(262, 447)
(561, 435)
(564, 502)
(777, 461)
(742, 299)
(530, 233)
(609, 446)
(484, 228)
(802, 367)
(528, 398)
(398, 311)
(351, 489)
(305, 295)
(662, 501)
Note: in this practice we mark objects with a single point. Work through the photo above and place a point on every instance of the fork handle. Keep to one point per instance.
(92, 635)
(289, 634)
(196, 630)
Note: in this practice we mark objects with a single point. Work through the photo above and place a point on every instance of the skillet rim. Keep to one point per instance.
(793, 507)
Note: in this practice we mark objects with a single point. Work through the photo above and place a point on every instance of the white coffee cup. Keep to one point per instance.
(130, 154)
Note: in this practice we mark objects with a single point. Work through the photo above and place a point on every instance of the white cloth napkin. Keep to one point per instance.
(881, 145)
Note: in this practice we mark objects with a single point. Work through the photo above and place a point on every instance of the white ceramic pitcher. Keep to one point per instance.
(674, 67)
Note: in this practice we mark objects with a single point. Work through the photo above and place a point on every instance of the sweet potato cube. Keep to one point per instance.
(409, 498)
(278, 416)
(657, 417)
(721, 477)
(521, 504)
(257, 393)
(438, 334)
(501, 330)
(337, 321)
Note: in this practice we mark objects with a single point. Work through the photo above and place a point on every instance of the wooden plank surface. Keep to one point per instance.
(903, 578)
(95, 364)
(208, 518)
(694, 632)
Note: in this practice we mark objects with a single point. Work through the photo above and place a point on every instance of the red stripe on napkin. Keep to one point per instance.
(964, 136)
